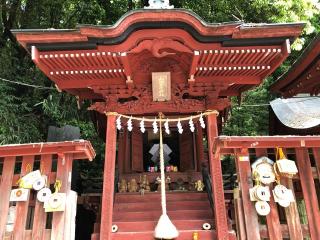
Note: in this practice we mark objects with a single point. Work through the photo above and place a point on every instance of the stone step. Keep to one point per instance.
(152, 206)
(154, 215)
(142, 226)
(148, 235)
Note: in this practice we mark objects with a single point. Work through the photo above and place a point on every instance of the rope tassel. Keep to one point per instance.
(165, 228)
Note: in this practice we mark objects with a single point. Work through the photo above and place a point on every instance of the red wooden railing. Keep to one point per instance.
(287, 223)
(55, 160)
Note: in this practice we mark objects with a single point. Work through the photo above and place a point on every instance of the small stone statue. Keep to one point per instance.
(144, 184)
(133, 185)
(191, 186)
(168, 181)
(199, 185)
(122, 185)
(180, 184)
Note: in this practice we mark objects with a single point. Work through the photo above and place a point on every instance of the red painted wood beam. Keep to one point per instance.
(108, 179)
(309, 192)
(304, 61)
(36, 59)
(83, 149)
(240, 79)
(286, 50)
(316, 154)
(194, 64)
(220, 214)
(90, 83)
(292, 214)
(305, 81)
(127, 68)
(273, 222)
(268, 141)
(245, 183)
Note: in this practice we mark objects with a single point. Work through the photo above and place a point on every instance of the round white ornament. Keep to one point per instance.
(262, 208)
(39, 183)
(44, 194)
(262, 193)
(206, 226)
(281, 192)
(114, 228)
(284, 203)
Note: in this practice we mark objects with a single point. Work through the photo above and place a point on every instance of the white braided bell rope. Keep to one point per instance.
(165, 228)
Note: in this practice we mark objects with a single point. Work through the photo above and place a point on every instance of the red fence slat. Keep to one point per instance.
(316, 154)
(309, 192)
(22, 207)
(5, 189)
(245, 183)
(40, 217)
(292, 214)
(64, 169)
(273, 222)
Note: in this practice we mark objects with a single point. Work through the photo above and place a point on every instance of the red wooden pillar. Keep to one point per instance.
(217, 181)
(108, 179)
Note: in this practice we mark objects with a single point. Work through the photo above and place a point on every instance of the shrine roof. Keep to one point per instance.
(304, 75)
(89, 36)
(208, 62)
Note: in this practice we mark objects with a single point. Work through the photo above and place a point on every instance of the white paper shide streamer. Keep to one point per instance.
(166, 127)
(191, 124)
(155, 126)
(202, 124)
(129, 124)
(142, 127)
(118, 122)
(179, 126)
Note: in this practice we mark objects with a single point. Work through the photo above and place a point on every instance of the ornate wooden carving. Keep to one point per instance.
(138, 100)
(146, 106)
(161, 47)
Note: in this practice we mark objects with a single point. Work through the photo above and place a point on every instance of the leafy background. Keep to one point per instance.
(26, 112)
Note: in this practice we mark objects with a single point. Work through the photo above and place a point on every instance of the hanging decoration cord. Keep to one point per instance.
(163, 184)
(209, 112)
(165, 228)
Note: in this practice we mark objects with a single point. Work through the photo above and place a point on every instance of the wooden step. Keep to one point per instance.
(154, 215)
(148, 235)
(171, 206)
(171, 196)
(142, 226)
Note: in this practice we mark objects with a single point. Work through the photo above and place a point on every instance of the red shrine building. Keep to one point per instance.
(166, 61)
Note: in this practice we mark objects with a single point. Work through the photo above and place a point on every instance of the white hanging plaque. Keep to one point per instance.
(19, 195)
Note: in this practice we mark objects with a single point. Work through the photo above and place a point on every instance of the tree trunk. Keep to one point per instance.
(130, 5)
